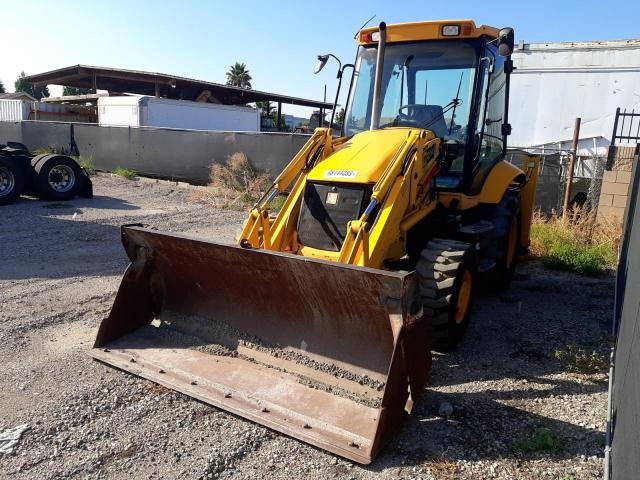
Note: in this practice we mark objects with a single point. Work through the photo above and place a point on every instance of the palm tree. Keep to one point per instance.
(266, 107)
(238, 76)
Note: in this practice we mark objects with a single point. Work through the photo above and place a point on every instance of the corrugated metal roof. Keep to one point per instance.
(17, 96)
(169, 86)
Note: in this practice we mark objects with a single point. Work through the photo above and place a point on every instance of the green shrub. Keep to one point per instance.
(124, 172)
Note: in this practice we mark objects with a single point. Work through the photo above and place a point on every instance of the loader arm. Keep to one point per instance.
(259, 231)
(398, 200)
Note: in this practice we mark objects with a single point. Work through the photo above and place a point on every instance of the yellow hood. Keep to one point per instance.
(362, 159)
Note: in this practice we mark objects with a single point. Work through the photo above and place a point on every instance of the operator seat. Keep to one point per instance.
(430, 115)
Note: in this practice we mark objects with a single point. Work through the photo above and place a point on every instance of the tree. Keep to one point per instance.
(279, 121)
(238, 76)
(266, 107)
(23, 86)
(67, 91)
(339, 120)
(2, 90)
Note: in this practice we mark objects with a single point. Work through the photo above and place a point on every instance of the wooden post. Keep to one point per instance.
(572, 164)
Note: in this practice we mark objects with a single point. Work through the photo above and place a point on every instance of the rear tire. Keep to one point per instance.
(11, 181)
(507, 224)
(447, 275)
(57, 177)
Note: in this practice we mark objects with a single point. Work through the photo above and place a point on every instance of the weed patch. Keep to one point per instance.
(442, 467)
(41, 150)
(581, 360)
(542, 440)
(278, 203)
(578, 243)
(124, 172)
(85, 164)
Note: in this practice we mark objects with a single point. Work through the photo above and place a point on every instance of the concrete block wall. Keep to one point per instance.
(184, 155)
(615, 182)
(613, 195)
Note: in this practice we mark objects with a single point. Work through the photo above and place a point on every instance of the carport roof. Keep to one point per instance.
(159, 84)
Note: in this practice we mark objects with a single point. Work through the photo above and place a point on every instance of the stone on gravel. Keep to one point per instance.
(445, 409)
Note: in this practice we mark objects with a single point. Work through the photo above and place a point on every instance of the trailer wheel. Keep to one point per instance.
(447, 276)
(11, 181)
(57, 177)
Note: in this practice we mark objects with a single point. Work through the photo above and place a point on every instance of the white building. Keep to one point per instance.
(556, 82)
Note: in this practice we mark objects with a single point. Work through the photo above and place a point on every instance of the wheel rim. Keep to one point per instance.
(464, 296)
(512, 242)
(7, 181)
(61, 178)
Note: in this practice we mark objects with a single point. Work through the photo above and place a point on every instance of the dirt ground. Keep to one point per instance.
(60, 268)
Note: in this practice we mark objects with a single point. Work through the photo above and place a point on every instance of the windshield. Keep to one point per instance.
(424, 84)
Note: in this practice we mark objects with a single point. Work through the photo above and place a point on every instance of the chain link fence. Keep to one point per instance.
(552, 179)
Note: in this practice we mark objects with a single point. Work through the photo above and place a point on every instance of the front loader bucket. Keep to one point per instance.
(327, 353)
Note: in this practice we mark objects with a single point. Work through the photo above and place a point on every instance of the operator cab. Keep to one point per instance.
(453, 83)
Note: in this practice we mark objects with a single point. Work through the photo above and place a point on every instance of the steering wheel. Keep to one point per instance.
(403, 117)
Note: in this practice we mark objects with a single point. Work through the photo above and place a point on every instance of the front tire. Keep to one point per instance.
(447, 276)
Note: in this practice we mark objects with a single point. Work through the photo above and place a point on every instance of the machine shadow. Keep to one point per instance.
(502, 379)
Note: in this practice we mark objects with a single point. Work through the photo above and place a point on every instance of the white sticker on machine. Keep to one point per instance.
(340, 174)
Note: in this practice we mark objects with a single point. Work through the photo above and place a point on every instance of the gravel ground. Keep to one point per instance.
(60, 269)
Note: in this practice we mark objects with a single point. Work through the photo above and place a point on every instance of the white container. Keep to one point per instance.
(148, 111)
(14, 110)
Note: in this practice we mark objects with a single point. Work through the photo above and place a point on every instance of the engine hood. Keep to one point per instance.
(362, 159)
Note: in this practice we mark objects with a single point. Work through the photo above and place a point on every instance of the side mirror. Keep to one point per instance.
(505, 42)
(322, 61)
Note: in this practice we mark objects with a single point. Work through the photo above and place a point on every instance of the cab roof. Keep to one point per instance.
(430, 30)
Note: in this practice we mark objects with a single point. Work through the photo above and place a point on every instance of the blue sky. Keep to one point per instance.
(277, 40)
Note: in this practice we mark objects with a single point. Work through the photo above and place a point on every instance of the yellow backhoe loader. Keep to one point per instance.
(319, 323)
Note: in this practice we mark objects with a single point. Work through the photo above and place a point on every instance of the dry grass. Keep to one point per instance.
(442, 467)
(156, 389)
(235, 184)
(580, 242)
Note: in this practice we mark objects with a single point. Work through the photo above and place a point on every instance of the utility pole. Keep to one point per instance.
(571, 166)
